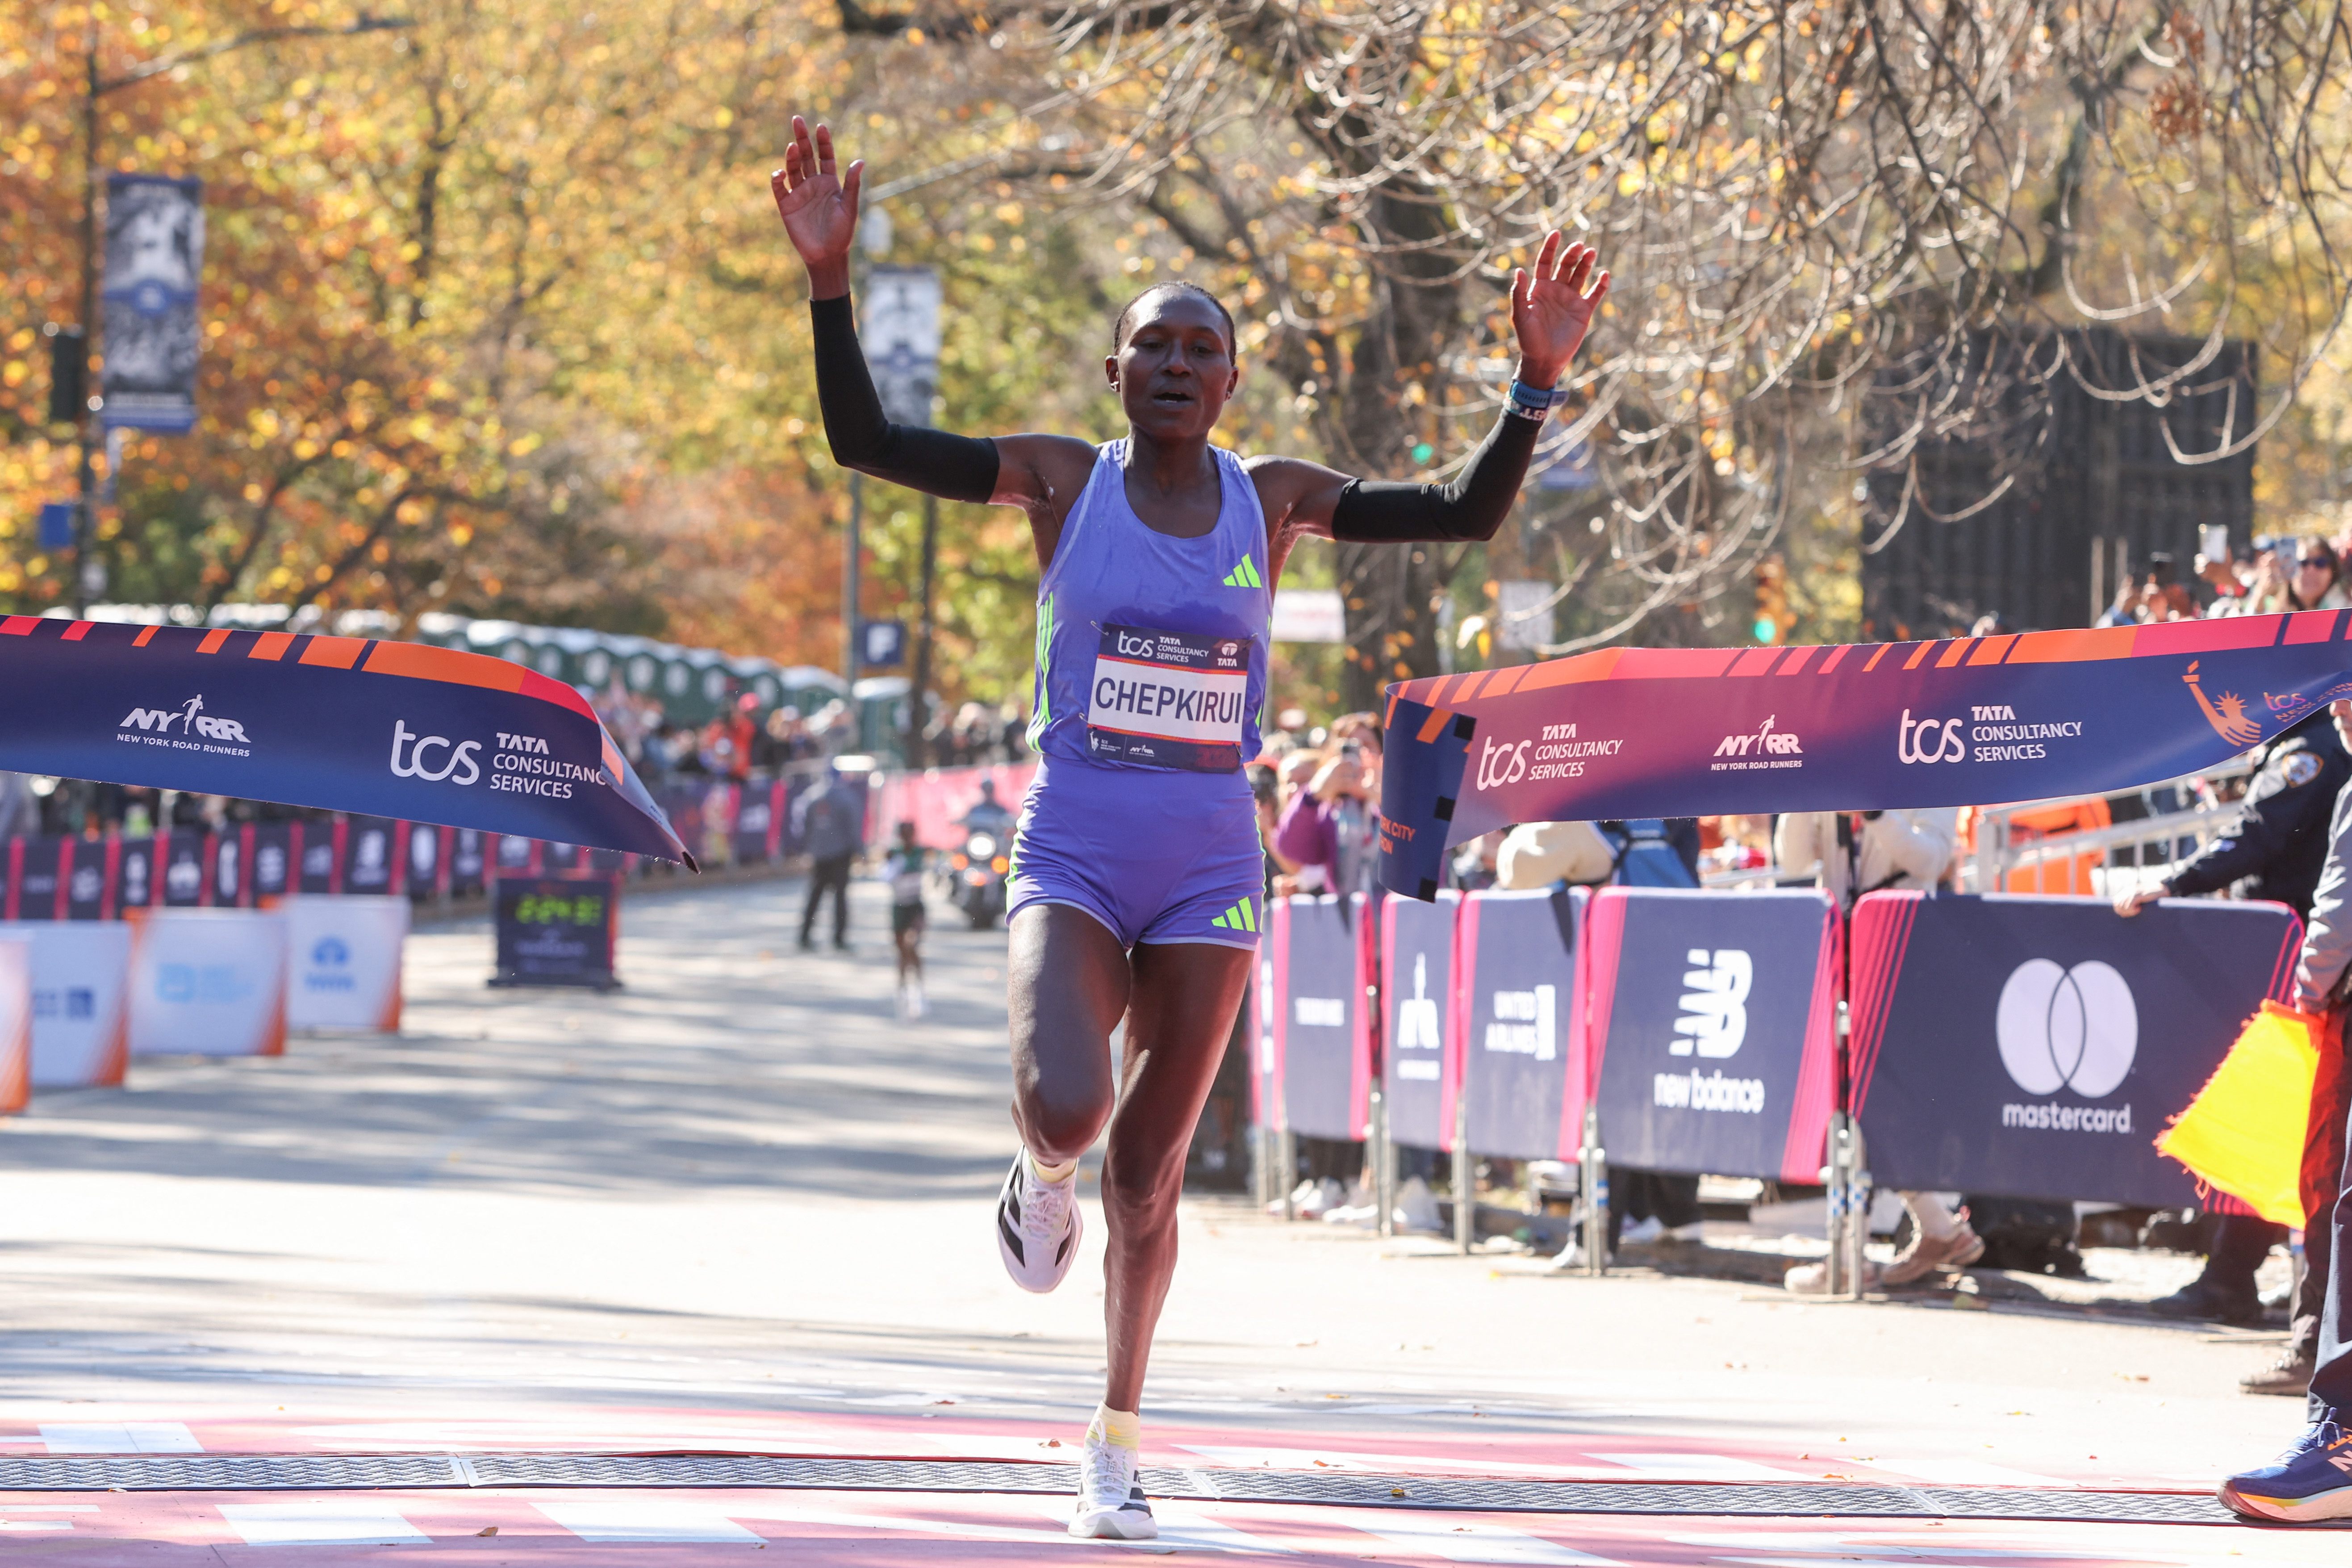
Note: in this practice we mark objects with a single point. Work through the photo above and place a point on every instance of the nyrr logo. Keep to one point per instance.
(1714, 1003)
(1501, 763)
(192, 719)
(1765, 742)
(1929, 739)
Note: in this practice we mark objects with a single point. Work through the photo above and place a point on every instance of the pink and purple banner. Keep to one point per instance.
(1631, 731)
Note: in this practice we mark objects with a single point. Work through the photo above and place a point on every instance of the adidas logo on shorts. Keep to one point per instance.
(1240, 917)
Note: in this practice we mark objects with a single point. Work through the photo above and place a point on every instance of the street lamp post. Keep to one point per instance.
(96, 87)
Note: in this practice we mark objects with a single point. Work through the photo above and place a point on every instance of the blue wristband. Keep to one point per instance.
(1533, 403)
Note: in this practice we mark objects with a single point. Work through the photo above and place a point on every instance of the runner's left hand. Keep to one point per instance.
(1552, 309)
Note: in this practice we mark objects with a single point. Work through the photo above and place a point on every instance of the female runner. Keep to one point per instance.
(1136, 865)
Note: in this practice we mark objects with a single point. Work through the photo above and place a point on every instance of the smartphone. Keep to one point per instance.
(2215, 542)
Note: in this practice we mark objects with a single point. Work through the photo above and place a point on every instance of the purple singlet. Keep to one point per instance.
(1151, 665)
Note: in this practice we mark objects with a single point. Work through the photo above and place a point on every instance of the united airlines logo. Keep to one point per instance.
(1417, 1026)
(1714, 1003)
(197, 729)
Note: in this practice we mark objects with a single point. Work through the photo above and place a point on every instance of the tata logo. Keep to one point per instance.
(415, 757)
(1765, 742)
(530, 744)
(192, 719)
(1714, 1003)
(2067, 1028)
(1929, 739)
(330, 952)
(1501, 763)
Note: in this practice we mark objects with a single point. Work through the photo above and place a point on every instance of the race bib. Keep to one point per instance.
(1168, 699)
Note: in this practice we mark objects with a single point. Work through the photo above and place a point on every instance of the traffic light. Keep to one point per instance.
(1774, 620)
(69, 374)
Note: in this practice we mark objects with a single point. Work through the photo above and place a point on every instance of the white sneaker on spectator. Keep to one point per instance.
(1111, 1505)
(1691, 1233)
(1037, 1226)
(1641, 1232)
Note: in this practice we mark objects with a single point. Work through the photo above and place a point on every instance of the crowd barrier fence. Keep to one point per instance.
(209, 982)
(16, 1026)
(2008, 1044)
(80, 1016)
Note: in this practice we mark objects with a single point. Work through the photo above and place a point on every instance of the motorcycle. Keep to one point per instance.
(978, 870)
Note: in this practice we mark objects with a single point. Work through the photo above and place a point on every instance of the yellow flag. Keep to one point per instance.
(2243, 1133)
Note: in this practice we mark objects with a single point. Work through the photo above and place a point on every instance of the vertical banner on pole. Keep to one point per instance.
(427, 860)
(209, 982)
(370, 857)
(1416, 986)
(1516, 1001)
(134, 874)
(154, 255)
(322, 858)
(469, 862)
(1710, 1034)
(185, 883)
(232, 867)
(80, 1023)
(1322, 1049)
(16, 1026)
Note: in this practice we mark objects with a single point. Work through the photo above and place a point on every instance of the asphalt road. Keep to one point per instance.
(738, 1206)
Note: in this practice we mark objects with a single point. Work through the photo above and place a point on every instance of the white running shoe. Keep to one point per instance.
(1110, 1499)
(1037, 1227)
(914, 1000)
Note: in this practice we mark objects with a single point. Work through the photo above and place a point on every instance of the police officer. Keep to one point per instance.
(2275, 850)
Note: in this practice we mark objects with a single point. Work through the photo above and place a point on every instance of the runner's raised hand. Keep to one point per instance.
(1551, 309)
(819, 207)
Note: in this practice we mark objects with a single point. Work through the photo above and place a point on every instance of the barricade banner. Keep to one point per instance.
(557, 930)
(209, 982)
(134, 873)
(322, 858)
(277, 852)
(1322, 1049)
(1710, 1034)
(372, 855)
(753, 842)
(1416, 984)
(427, 860)
(186, 860)
(518, 857)
(469, 862)
(32, 876)
(232, 867)
(81, 1024)
(1637, 731)
(1516, 1004)
(90, 868)
(344, 954)
(16, 1026)
(937, 800)
(2025, 1047)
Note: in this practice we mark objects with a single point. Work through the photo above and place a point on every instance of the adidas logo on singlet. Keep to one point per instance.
(1240, 917)
(1245, 577)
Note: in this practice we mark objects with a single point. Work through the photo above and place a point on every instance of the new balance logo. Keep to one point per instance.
(1245, 577)
(1240, 917)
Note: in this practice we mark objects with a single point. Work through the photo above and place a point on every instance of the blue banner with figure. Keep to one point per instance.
(1516, 1001)
(375, 728)
(1711, 1029)
(1417, 988)
(1320, 1042)
(1633, 732)
(154, 261)
(2034, 1047)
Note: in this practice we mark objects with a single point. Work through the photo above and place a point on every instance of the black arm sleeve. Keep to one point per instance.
(957, 468)
(1472, 508)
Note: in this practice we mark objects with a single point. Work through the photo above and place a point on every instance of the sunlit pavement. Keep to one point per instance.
(739, 1208)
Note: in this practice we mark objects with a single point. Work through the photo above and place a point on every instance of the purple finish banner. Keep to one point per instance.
(383, 728)
(1633, 732)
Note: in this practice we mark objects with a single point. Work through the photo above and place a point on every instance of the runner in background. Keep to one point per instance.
(1137, 873)
(904, 867)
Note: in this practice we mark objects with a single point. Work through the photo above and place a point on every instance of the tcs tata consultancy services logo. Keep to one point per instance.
(2067, 1028)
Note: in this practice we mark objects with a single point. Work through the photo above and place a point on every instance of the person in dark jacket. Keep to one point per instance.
(2275, 850)
(830, 823)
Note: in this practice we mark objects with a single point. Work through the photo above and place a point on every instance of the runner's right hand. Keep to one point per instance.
(819, 207)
